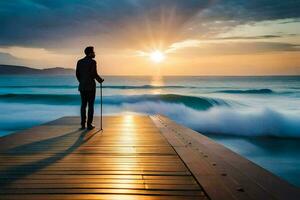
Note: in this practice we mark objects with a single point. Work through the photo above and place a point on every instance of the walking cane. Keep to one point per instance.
(101, 129)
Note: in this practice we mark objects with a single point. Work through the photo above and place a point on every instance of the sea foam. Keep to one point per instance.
(227, 120)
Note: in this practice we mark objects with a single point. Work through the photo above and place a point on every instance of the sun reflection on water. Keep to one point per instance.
(157, 81)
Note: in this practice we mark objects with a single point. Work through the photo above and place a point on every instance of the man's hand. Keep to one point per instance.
(102, 80)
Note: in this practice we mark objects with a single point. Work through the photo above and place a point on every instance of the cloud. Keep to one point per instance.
(255, 10)
(224, 16)
(52, 23)
(249, 37)
(59, 30)
(183, 44)
(8, 59)
(63, 24)
(36, 57)
(222, 47)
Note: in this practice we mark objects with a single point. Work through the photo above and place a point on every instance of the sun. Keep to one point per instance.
(157, 56)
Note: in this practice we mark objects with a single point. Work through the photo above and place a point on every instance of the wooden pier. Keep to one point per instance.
(135, 157)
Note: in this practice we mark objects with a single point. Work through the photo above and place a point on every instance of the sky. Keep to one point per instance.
(195, 37)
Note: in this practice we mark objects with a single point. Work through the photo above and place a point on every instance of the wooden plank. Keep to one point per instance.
(68, 180)
(96, 197)
(222, 173)
(134, 185)
(102, 191)
(130, 159)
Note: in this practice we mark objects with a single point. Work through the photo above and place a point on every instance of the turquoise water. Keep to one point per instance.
(258, 117)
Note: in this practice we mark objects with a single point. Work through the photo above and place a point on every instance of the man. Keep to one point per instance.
(86, 73)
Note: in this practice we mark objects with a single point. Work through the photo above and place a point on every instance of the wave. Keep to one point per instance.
(198, 103)
(253, 91)
(104, 86)
(147, 87)
(206, 118)
(228, 121)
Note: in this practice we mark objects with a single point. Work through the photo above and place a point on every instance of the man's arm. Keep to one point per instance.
(77, 72)
(95, 73)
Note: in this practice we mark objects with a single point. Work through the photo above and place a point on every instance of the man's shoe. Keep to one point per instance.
(90, 127)
(82, 126)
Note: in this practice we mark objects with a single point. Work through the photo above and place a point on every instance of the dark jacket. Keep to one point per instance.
(86, 73)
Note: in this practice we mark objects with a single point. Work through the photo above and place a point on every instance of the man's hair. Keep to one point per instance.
(88, 50)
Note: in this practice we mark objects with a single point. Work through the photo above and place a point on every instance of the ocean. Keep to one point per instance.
(257, 117)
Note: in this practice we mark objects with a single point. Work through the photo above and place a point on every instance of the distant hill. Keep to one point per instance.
(12, 69)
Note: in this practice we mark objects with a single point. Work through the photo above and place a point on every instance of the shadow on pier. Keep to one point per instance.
(14, 173)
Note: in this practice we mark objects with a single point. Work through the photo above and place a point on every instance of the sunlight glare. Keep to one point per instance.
(157, 56)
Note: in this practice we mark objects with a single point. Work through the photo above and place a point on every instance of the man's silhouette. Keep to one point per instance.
(86, 73)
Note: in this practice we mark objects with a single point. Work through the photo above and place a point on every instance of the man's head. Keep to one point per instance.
(89, 51)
